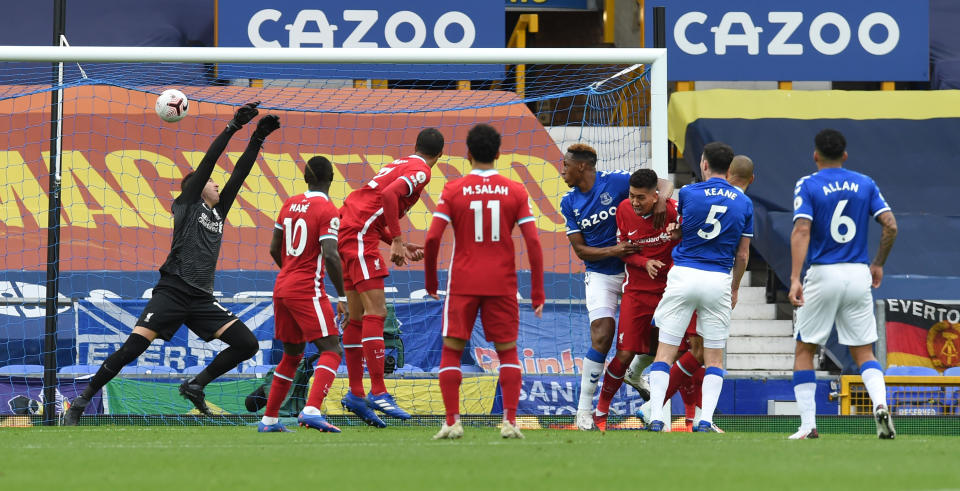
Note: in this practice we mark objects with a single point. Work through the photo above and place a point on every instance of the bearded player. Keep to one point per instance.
(370, 214)
(482, 208)
(304, 245)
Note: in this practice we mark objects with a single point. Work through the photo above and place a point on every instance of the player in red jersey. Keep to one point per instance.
(645, 280)
(306, 232)
(482, 208)
(370, 214)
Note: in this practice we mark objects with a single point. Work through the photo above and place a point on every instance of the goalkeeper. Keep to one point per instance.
(184, 294)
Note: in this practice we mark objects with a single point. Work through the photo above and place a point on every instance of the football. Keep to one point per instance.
(172, 105)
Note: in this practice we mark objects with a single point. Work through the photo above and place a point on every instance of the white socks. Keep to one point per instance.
(806, 404)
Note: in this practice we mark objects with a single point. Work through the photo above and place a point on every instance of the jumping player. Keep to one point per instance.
(716, 226)
(589, 209)
(184, 294)
(482, 208)
(306, 231)
(370, 214)
(831, 213)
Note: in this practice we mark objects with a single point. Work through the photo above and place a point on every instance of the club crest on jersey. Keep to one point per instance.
(605, 198)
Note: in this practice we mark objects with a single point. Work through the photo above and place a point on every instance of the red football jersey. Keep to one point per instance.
(306, 220)
(366, 201)
(656, 244)
(483, 207)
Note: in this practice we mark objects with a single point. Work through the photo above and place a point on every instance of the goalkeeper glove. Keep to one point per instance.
(243, 116)
(267, 124)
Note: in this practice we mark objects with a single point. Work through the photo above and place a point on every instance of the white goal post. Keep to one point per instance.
(656, 58)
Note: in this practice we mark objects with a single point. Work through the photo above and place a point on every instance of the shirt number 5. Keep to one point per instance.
(715, 212)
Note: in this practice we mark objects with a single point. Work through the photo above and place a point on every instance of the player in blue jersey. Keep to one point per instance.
(831, 212)
(715, 230)
(590, 212)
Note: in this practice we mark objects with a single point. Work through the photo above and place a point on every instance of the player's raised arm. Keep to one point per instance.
(194, 186)
(268, 124)
(887, 237)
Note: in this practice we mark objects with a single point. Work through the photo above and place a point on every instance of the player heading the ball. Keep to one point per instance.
(482, 207)
(371, 214)
(184, 293)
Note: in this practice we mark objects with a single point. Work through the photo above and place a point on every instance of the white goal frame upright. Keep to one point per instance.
(656, 58)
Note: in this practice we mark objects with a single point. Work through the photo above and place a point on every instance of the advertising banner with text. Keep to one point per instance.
(812, 40)
(366, 24)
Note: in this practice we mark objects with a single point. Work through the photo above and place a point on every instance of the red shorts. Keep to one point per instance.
(299, 320)
(635, 331)
(363, 266)
(500, 316)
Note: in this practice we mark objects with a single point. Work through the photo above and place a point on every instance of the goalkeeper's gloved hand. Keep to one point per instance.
(243, 116)
(268, 124)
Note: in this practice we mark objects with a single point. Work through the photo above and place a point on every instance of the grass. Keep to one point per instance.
(144, 458)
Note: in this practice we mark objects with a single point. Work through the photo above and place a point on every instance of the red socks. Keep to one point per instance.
(353, 352)
(450, 378)
(612, 380)
(323, 377)
(282, 378)
(681, 372)
(510, 382)
(373, 351)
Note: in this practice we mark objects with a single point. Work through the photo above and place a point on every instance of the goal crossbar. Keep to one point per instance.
(656, 58)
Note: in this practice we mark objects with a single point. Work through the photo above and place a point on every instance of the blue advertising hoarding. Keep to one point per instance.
(365, 24)
(882, 40)
(546, 5)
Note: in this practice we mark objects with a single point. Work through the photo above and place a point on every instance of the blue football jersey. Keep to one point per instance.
(840, 203)
(714, 216)
(593, 214)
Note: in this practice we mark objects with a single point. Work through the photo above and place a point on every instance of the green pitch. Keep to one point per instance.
(144, 458)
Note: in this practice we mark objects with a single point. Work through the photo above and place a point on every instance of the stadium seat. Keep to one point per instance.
(145, 370)
(952, 392)
(258, 369)
(471, 369)
(918, 399)
(21, 370)
(79, 370)
(408, 368)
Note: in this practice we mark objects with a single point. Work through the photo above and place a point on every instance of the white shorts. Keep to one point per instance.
(603, 294)
(837, 293)
(689, 290)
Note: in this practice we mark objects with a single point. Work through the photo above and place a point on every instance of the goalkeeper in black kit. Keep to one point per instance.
(184, 294)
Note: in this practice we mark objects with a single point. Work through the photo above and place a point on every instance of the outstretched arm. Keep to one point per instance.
(266, 126)
(887, 237)
(588, 253)
(535, 253)
(191, 192)
(430, 251)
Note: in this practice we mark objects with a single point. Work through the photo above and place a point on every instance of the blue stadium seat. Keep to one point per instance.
(21, 370)
(144, 370)
(342, 369)
(408, 368)
(79, 370)
(952, 393)
(917, 399)
(471, 369)
(258, 369)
